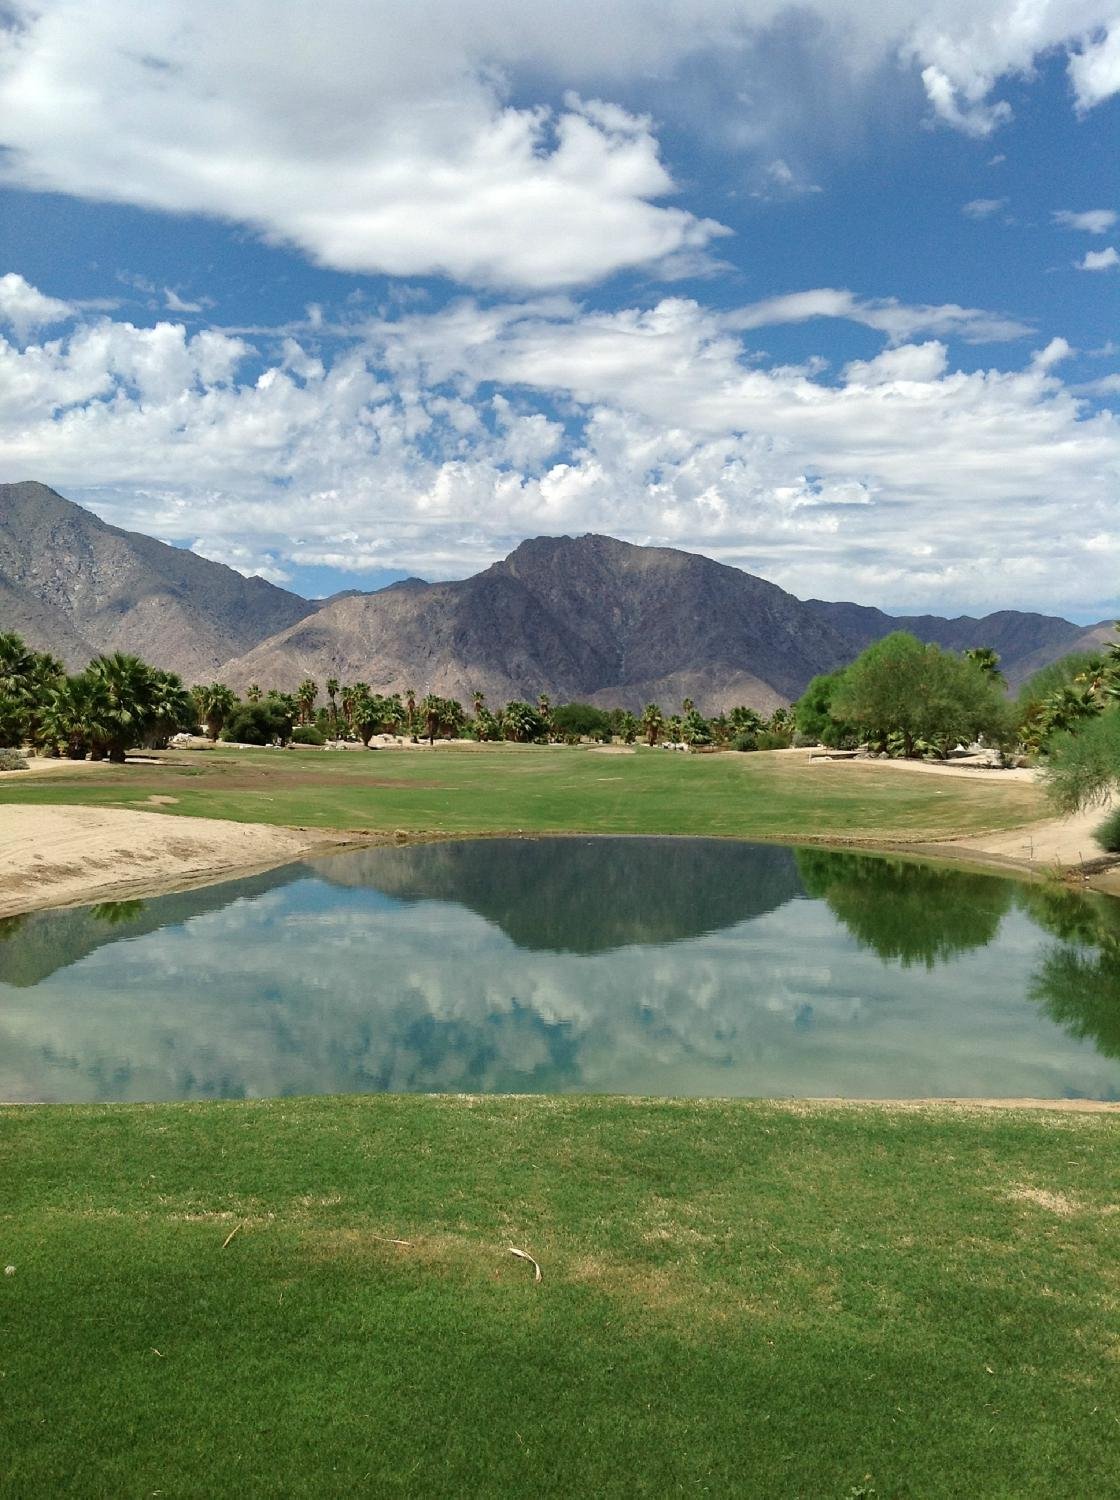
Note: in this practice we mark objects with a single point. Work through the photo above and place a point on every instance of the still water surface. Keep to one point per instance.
(649, 966)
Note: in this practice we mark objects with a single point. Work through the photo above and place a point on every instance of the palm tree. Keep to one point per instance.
(544, 708)
(253, 693)
(16, 662)
(987, 660)
(215, 703)
(75, 715)
(130, 703)
(350, 695)
(435, 711)
(744, 720)
(695, 729)
(628, 727)
(652, 723)
(410, 712)
(332, 693)
(305, 695)
(171, 707)
(521, 722)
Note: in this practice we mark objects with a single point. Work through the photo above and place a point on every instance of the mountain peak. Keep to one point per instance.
(72, 584)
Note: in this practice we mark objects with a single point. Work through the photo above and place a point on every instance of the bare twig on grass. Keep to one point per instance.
(522, 1255)
(231, 1234)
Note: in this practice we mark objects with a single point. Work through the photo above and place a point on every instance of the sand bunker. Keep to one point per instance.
(63, 856)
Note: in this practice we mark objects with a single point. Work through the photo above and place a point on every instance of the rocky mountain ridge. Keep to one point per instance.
(73, 585)
(586, 617)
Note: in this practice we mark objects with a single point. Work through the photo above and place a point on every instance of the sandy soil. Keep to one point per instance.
(63, 856)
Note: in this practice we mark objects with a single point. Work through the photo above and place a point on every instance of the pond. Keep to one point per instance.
(641, 966)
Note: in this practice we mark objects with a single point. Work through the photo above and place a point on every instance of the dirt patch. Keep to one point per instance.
(1055, 1203)
(64, 856)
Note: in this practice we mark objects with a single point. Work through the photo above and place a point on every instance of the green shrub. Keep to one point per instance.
(258, 723)
(746, 741)
(774, 739)
(580, 719)
(307, 734)
(13, 760)
(1107, 834)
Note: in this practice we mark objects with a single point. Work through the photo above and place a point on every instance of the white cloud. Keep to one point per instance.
(385, 137)
(437, 443)
(886, 315)
(1092, 221)
(983, 208)
(964, 109)
(176, 304)
(378, 144)
(23, 308)
(779, 180)
(1095, 70)
(909, 362)
(1055, 351)
(1099, 260)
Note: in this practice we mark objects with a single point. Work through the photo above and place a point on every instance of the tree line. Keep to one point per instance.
(898, 697)
(119, 702)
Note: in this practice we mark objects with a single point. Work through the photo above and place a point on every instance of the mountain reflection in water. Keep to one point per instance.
(682, 966)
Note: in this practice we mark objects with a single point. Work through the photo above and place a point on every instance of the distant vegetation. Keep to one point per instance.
(900, 697)
(119, 703)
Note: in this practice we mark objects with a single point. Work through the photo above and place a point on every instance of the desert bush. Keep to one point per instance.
(13, 760)
(1107, 834)
(307, 734)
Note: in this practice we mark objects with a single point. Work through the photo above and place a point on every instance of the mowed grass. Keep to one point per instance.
(506, 788)
(739, 1299)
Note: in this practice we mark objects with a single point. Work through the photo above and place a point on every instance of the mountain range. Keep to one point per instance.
(588, 617)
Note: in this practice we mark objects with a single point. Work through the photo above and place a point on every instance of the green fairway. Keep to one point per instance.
(737, 1299)
(508, 788)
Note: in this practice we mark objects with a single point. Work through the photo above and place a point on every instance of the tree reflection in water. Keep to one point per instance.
(1078, 980)
(913, 913)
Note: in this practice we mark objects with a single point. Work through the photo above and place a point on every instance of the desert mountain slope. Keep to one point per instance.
(585, 617)
(1019, 637)
(71, 584)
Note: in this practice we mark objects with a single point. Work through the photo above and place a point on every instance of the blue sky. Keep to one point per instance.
(348, 292)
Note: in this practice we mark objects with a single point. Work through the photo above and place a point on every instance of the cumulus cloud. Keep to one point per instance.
(24, 308)
(496, 144)
(439, 440)
(1056, 350)
(1095, 70)
(1099, 260)
(909, 362)
(963, 108)
(1092, 221)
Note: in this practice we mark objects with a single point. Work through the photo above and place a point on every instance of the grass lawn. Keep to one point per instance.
(738, 1299)
(507, 788)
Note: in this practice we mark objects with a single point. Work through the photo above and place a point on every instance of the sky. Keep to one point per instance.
(345, 292)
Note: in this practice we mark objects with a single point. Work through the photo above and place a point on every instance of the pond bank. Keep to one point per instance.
(67, 856)
(54, 854)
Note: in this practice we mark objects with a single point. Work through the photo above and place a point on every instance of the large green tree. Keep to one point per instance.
(902, 687)
(814, 717)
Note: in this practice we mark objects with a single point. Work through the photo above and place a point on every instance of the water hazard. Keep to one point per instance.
(644, 966)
